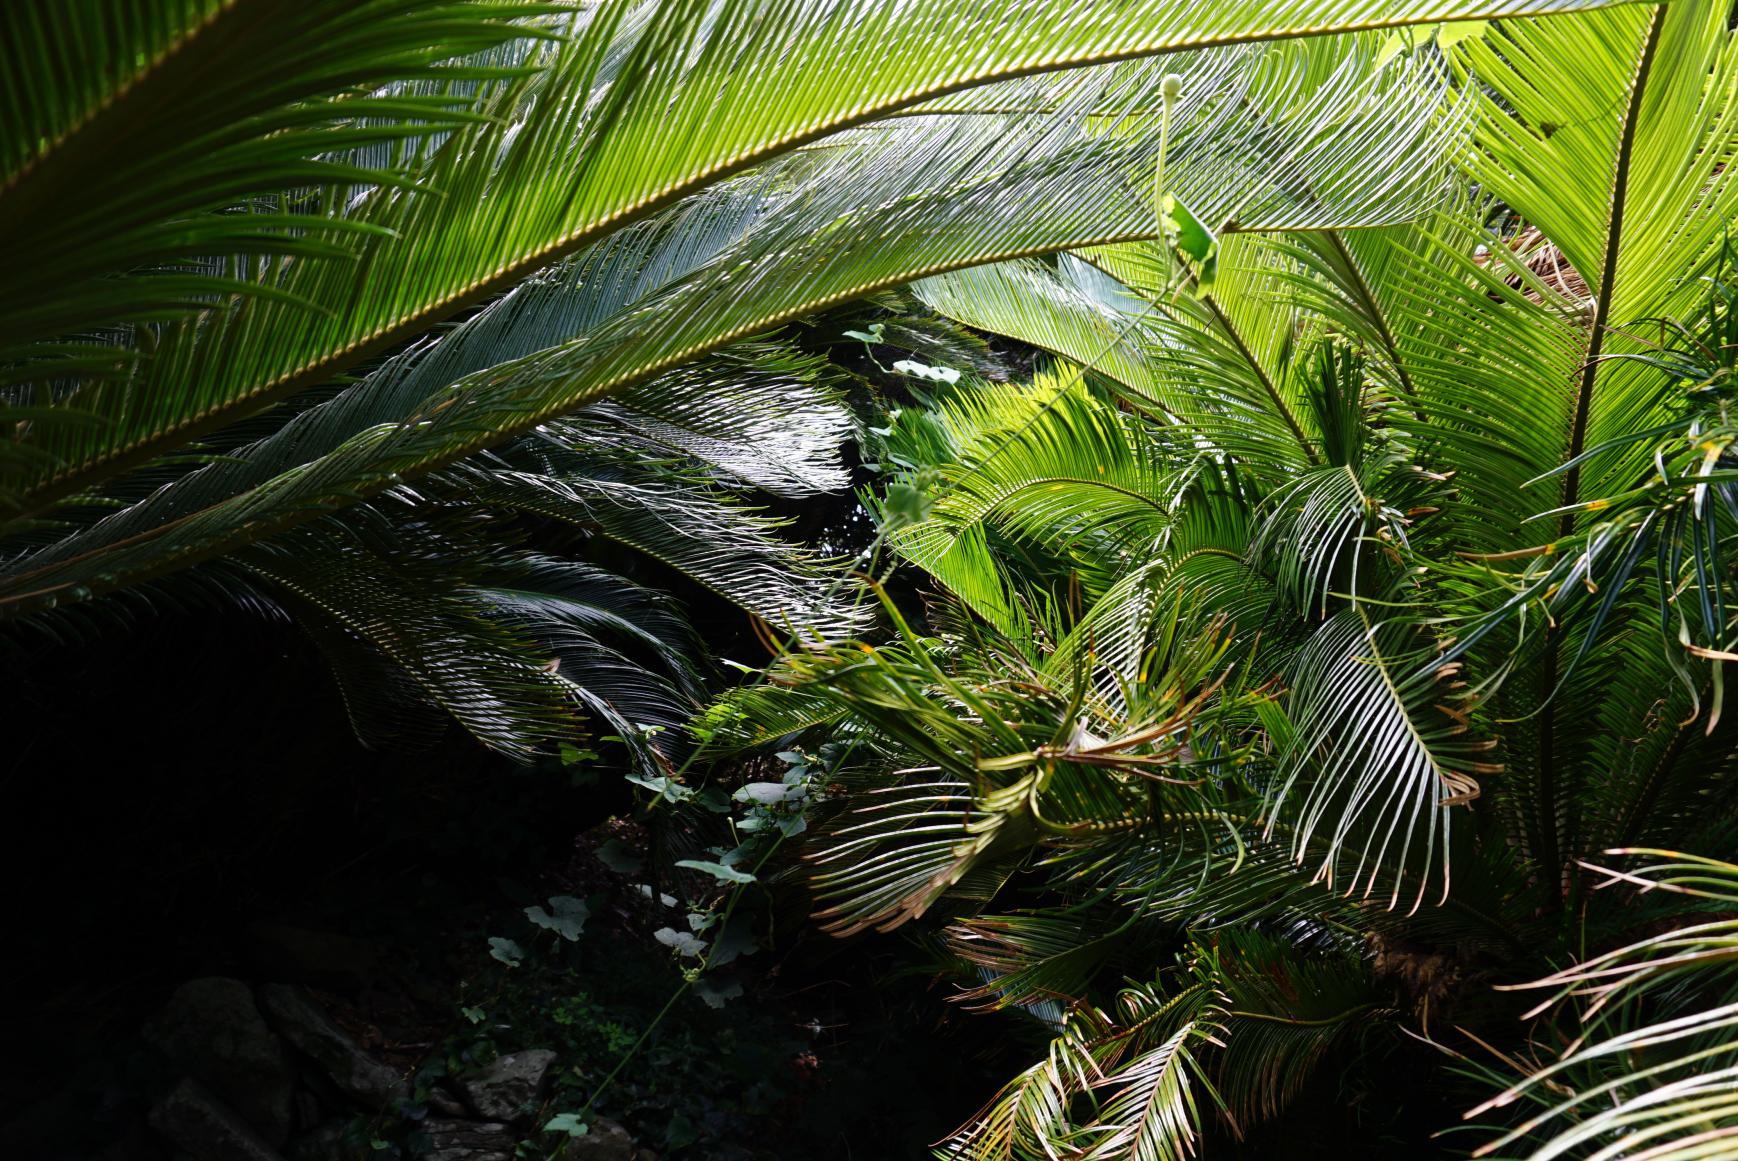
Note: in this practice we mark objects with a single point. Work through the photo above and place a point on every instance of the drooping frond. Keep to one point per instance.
(1030, 302)
(1136, 1061)
(143, 139)
(1287, 1010)
(628, 110)
(1008, 757)
(1047, 463)
(1654, 1073)
(755, 715)
(708, 536)
(904, 847)
(943, 192)
(1034, 960)
(1379, 760)
(405, 598)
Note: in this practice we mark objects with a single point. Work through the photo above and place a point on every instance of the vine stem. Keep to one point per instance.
(687, 982)
(635, 1049)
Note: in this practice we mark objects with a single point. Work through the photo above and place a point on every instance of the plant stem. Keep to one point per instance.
(635, 1048)
(687, 982)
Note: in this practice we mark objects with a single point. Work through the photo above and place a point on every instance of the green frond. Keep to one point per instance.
(892, 857)
(144, 140)
(406, 600)
(1228, 356)
(708, 536)
(1286, 1011)
(1031, 960)
(907, 198)
(1035, 304)
(1654, 1072)
(1641, 118)
(1379, 760)
(1136, 1061)
(751, 716)
(1045, 462)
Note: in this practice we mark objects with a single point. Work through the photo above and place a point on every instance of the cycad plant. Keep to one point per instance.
(302, 301)
(1305, 632)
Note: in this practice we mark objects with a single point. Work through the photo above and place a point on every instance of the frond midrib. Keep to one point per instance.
(322, 368)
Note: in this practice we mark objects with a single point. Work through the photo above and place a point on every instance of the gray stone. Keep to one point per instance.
(305, 1024)
(443, 1102)
(194, 1120)
(469, 1141)
(607, 1141)
(325, 1142)
(501, 1090)
(213, 1031)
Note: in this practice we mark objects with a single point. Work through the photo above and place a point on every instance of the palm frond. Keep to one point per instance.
(1136, 1061)
(406, 599)
(756, 715)
(1046, 463)
(1033, 961)
(1379, 759)
(704, 534)
(1655, 1074)
(1287, 1010)
(143, 139)
(946, 192)
(1042, 308)
(627, 111)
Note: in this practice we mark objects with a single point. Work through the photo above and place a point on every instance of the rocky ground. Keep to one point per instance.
(267, 1074)
(238, 936)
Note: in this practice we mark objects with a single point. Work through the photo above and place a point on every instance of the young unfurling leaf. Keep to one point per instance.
(1194, 242)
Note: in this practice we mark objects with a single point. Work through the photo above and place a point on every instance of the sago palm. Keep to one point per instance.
(236, 229)
(1331, 603)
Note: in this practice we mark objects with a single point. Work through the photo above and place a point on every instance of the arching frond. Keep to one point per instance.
(1030, 302)
(1379, 760)
(945, 192)
(1287, 1009)
(407, 600)
(756, 715)
(144, 139)
(708, 536)
(1046, 463)
(1654, 1073)
(1136, 1061)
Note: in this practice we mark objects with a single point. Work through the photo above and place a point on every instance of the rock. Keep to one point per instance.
(193, 1119)
(502, 1089)
(324, 1142)
(305, 1024)
(469, 1141)
(443, 1102)
(607, 1141)
(213, 1031)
